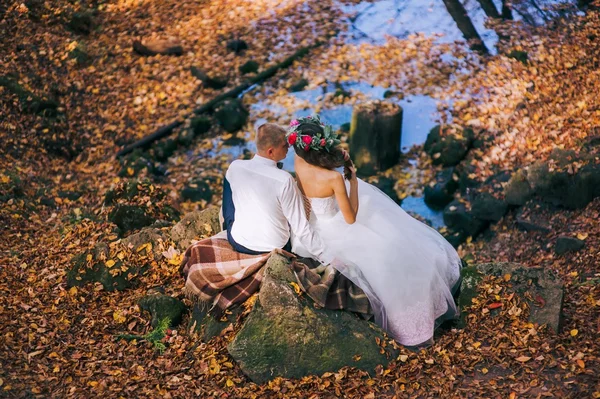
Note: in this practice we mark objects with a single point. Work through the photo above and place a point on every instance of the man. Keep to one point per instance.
(261, 202)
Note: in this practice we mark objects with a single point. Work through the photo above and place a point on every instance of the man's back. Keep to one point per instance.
(257, 187)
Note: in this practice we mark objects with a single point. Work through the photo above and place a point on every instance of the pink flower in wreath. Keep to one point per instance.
(292, 138)
(323, 142)
(294, 123)
(307, 140)
(307, 148)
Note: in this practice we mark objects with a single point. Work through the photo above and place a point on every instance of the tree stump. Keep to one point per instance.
(375, 133)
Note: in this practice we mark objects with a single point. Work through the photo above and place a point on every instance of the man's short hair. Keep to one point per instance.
(269, 135)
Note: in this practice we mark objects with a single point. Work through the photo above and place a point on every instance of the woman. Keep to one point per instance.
(407, 269)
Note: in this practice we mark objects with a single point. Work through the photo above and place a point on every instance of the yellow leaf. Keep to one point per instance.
(507, 277)
(73, 291)
(110, 263)
(484, 370)
(522, 359)
(476, 345)
(582, 236)
(119, 317)
(89, 257)
(121, 255)
(130, 171)
(92, 383)
(229, 383)
(4, 179)
(214, 367)
(296, 287)
(36, 390)
(403, 358)
(574, 332)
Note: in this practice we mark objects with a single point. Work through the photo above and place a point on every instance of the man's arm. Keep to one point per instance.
(293, 209)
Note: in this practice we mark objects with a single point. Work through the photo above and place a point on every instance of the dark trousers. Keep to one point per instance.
(229, 218)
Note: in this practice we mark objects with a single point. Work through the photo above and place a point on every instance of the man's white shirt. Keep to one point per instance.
(268, 203)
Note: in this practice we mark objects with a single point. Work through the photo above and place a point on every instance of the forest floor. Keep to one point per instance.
(55, 169)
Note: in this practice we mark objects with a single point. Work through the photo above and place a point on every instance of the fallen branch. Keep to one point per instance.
(166, 130)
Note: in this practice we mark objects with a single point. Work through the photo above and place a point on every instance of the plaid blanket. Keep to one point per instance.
(220, 277)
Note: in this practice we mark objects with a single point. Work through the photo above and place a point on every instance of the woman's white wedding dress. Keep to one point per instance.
(407, 269)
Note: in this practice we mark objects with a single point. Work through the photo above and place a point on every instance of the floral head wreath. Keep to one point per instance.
(320, 141)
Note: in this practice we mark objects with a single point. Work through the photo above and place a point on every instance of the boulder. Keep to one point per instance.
(518, 190)
(440, 191)
(459, 219)
(565, 244)
(556, 182)
(200, 125)
(231, 114)
(540, 288)
(82, 23)
(207, 325)
(249, 67)
(237, 46)
(130, 217)
(298, 85)
(93, 266)
(286, 336)
(163, 306)
(195, 226)
(198, 190)
(487, 207)
(450, 147)
(149, 235)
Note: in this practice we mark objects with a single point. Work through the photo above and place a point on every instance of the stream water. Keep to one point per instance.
(372, 21)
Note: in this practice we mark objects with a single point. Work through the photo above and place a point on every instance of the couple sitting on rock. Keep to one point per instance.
(406, 269)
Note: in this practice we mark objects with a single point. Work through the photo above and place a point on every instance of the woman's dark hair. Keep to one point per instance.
(334, 158)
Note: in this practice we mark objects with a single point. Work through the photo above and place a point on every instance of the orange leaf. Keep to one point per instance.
(495, 305)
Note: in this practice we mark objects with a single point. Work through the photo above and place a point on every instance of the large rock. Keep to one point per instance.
(94, 266)
(154, 236)
(196, 226)
(130, 217)
(487, 207)
(198, 190)
(285, 335)
(162, 306)
(460, 219)
(231, 114)
(540, 288)
(558, 183)
(448, 148)
(440, 191)
(518, 190)
(566, 244)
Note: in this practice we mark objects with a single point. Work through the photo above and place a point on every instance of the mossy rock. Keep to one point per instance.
(448, 149)
(518, 190)
(249, 67)
(208, 325)
(441, 190)
(82, 23)
(148, 235)
(540, 288)
(519, 55)
(198, 190)
(286, 336)
(459, 219)
(195, 226)
(566, 244)
(487, 207)
(164, 149)
(298, 85)
(200, 125)
(83, 271)
(130, 217)
(163, 306)
(231, 114)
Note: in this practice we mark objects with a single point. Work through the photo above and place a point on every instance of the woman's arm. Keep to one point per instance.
(348, 203)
